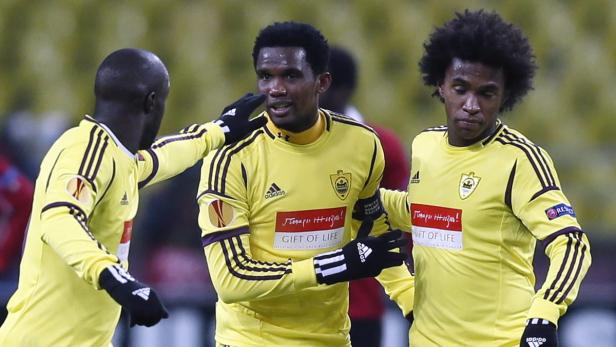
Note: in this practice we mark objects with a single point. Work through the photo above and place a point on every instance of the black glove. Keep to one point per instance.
(235, 118)
(539, 332)
(363, 257)
(141, 301)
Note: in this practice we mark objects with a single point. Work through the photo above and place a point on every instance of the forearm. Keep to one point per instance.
(238, 277)
(397, 209)
(399, 285)
(65, 231)
(171, 155)
(569, 261)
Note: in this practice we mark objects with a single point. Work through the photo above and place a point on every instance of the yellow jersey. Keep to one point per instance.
(85, 199)
(267, 207)
(476, 213)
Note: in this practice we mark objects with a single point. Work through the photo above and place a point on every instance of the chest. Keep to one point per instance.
(302, 203)
(112, 220)
(458, 197)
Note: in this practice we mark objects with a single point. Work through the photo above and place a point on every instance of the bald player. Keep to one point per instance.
(73, 276)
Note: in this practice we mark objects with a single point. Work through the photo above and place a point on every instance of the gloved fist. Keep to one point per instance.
(362, 257)
(141, 301)
(235, 118)
(539, 332)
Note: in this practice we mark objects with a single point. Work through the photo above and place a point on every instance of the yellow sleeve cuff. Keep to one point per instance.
(216, 135)
(544, 309)
(303, 272)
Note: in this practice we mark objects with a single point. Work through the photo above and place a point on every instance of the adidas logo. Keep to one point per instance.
(143, 293)
(124, 200)
(364, 251)
(274, 191)
(535, 341)
(415, 178)
(231, 112)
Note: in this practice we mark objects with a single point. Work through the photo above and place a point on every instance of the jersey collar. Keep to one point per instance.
(113, 137)
(302, 138)
(477, 145)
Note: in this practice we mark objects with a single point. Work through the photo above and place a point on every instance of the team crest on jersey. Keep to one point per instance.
(468, 184)
(341, 182)
(221, 213)
(79, 189)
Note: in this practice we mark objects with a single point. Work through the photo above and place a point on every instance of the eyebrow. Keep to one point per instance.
(489, 85)
(284, 71)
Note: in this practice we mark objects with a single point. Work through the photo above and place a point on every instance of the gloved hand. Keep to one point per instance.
(539, 332)
(362, 257)
(235, 118)
(141, 301)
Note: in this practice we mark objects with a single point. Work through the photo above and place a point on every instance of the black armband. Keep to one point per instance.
(369, 208)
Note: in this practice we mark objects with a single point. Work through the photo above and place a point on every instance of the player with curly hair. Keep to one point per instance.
(480, 196)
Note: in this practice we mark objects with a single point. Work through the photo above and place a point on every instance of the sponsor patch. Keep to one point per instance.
(437, 226)
(221, 213)
(79, 189)
(559, 211)
(309, 229)
(124, 246)
(341, 182)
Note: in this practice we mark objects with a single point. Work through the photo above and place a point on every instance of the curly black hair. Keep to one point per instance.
(294, 34)
(483, 37)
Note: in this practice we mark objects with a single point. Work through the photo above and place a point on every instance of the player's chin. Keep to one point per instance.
(282, 120)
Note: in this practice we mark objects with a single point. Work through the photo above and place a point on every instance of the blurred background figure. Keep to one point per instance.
(16, 193)
(367, 301)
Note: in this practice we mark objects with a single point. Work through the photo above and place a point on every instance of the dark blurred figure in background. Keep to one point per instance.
(366, 300)
(15, 205)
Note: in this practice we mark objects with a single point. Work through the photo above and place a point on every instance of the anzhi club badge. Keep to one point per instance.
(341, 182)
(468, 184)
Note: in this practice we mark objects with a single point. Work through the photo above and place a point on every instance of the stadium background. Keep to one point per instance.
(49, 51)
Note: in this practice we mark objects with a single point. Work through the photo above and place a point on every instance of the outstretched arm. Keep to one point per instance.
(171, 155)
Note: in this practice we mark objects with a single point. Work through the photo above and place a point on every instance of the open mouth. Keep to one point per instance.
(280, 108)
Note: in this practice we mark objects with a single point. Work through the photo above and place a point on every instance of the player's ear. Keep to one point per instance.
(149, 102)
(324, 80)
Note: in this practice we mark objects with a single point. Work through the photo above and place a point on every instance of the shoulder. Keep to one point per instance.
(432, 134)
(519, 145)
(346, 123)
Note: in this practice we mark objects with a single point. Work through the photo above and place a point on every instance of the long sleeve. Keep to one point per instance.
(538, 201)
(238, 277)
(73, 189)
(171, 155)
(569, 261)
(397, 208)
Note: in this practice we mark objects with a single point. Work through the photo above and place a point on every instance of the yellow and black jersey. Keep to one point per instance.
(267, 207)
(86, 197)
(476, 213)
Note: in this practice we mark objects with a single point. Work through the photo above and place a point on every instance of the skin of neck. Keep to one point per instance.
(127, 125)
(301, 138)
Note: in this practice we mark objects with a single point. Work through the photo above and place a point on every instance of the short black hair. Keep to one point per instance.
(483, 37)
(343, 68)
(294, 34)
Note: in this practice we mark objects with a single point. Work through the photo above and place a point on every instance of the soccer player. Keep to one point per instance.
(276, 208)
(480, 196)
(86, 197)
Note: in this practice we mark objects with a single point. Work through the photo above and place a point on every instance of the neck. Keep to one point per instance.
(126, 125)
(301, 138)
